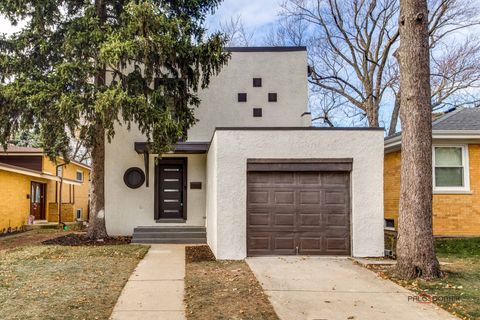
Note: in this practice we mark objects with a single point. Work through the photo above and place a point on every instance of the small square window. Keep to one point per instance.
(389, 224)
(257, 82)
(272, 97)
(257, 112)
(242, 97)
(79, 175)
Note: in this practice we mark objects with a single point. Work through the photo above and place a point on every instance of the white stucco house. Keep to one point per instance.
(254, 177)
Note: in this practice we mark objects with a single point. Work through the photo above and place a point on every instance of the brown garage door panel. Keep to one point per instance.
(304, 211)
(271, 243)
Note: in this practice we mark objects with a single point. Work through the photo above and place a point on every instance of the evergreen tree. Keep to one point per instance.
(79, 66)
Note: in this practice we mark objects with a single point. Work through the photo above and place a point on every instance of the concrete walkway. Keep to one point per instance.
(155, 289)
(331, 288)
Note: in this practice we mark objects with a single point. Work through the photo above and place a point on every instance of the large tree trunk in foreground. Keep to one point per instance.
(415, 247)
(96, 228)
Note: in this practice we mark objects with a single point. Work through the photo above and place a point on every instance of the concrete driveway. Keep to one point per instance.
(335, 288)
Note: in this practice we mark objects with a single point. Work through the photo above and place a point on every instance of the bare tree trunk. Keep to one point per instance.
(96, 228)
(395, 114)
(372, 115)
(415, 246)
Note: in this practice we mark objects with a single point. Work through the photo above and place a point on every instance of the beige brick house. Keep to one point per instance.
(456, 174)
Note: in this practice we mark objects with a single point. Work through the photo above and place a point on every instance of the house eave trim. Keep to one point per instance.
(37, 174)
(323, 164)
(394, 143)
(266, 49)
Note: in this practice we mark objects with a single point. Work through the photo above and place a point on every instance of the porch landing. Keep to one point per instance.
(174, 235)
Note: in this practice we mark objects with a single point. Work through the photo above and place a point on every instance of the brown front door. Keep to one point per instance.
(171, 188)
(37, 200)
(292, 213)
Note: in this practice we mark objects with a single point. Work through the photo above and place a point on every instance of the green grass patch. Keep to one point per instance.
(460, 263)
(460, 248)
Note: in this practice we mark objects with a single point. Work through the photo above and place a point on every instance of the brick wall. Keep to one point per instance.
(14, 203)
(81, 197)
(453, 214)
(67, 212)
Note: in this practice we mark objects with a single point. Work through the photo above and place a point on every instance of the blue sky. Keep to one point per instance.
(256, 15)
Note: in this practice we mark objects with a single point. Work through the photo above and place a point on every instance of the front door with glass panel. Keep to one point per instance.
(171, 188)
(37, 200)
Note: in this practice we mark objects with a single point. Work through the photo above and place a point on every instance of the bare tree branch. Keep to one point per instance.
(236, 33)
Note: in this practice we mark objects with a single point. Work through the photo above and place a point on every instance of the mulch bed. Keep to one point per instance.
(198, 254)
(80, 239)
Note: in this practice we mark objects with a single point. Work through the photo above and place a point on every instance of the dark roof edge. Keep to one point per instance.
(298, 129)
(265, 49)
(447, 115)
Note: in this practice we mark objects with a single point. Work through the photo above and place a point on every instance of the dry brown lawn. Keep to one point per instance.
(62, 282)
(222, 289)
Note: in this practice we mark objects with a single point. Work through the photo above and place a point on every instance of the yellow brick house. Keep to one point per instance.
(32, 186)
(456, 174)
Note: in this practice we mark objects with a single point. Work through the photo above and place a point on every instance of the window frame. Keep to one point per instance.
(465, 165)
(83, 175)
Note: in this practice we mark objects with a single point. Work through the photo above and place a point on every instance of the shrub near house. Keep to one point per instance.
(30, 186)
(456, 174)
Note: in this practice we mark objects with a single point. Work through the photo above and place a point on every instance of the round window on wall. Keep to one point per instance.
(134, 178)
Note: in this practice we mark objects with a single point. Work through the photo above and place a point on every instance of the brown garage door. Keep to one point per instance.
(292, 213)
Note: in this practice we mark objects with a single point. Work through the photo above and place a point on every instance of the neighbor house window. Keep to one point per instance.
(389, 224)
(79, 214)
(80, 175)
(450, 168)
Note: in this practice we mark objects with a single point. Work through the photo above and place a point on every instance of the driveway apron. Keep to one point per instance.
(335, 288)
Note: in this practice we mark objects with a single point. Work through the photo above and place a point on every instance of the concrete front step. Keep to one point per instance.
(162, 234)
(170, 240)
(169, 229)
(183, 234)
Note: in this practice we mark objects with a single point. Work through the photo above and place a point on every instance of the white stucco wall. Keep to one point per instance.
(211, 200)
(127, 208)
(284, 73)
(227, 200)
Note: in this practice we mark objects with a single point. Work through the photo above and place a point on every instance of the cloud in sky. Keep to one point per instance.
(256, 14)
